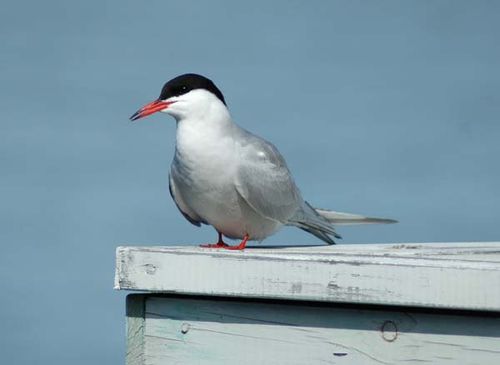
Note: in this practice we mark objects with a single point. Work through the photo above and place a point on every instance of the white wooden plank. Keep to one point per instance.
(190, 331)
(455, 275)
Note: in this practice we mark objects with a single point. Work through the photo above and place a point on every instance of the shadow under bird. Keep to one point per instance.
(227, 177)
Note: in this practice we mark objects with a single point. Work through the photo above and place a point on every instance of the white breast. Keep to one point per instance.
(204, 170)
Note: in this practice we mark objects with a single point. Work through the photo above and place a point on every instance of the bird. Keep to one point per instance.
(227, 177)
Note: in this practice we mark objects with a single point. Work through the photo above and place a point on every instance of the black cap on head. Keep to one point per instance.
(185, 83)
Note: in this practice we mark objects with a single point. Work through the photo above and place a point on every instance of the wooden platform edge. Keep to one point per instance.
(462, 276)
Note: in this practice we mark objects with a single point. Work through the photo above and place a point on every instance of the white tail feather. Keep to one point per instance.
(340, 218)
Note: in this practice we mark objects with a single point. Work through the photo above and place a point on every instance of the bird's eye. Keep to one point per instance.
(181, 90)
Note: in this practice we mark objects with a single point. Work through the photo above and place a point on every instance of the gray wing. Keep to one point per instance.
(264, 181)
(191, 216)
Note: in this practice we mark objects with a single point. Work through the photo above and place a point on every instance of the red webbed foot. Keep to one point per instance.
(215, 245)
(240, 247)
(220, 243)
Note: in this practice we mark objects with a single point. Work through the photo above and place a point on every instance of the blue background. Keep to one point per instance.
(388, 108)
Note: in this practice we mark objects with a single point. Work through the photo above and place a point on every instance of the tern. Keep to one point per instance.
(229, 178)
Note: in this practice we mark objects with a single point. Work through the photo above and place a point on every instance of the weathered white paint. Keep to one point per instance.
(195, 331)
(445, 275)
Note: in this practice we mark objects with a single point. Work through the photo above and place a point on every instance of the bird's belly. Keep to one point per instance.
(209, 190)
(205, 169)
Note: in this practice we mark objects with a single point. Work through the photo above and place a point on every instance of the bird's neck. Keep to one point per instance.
(206, 116)
(204, 133)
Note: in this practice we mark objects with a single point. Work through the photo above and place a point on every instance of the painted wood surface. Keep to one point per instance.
(448, 275)
(197, 331)
(135, 330)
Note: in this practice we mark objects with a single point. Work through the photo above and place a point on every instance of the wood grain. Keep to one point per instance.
(195, 331)
(447, 275)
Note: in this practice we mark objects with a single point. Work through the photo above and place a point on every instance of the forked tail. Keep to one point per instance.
(320, 222)
(339, 218)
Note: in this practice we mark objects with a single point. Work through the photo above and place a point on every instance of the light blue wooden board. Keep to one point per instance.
(194, 331)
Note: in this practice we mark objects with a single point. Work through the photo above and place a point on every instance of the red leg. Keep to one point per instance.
(220, 243)
(240, 247)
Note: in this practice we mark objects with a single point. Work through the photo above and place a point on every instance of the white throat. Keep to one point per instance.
(198, 106)
(204, 127)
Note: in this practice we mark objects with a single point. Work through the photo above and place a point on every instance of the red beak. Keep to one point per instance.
(148, 109)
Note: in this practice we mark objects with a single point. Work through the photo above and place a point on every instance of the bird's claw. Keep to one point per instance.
(225, 246)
